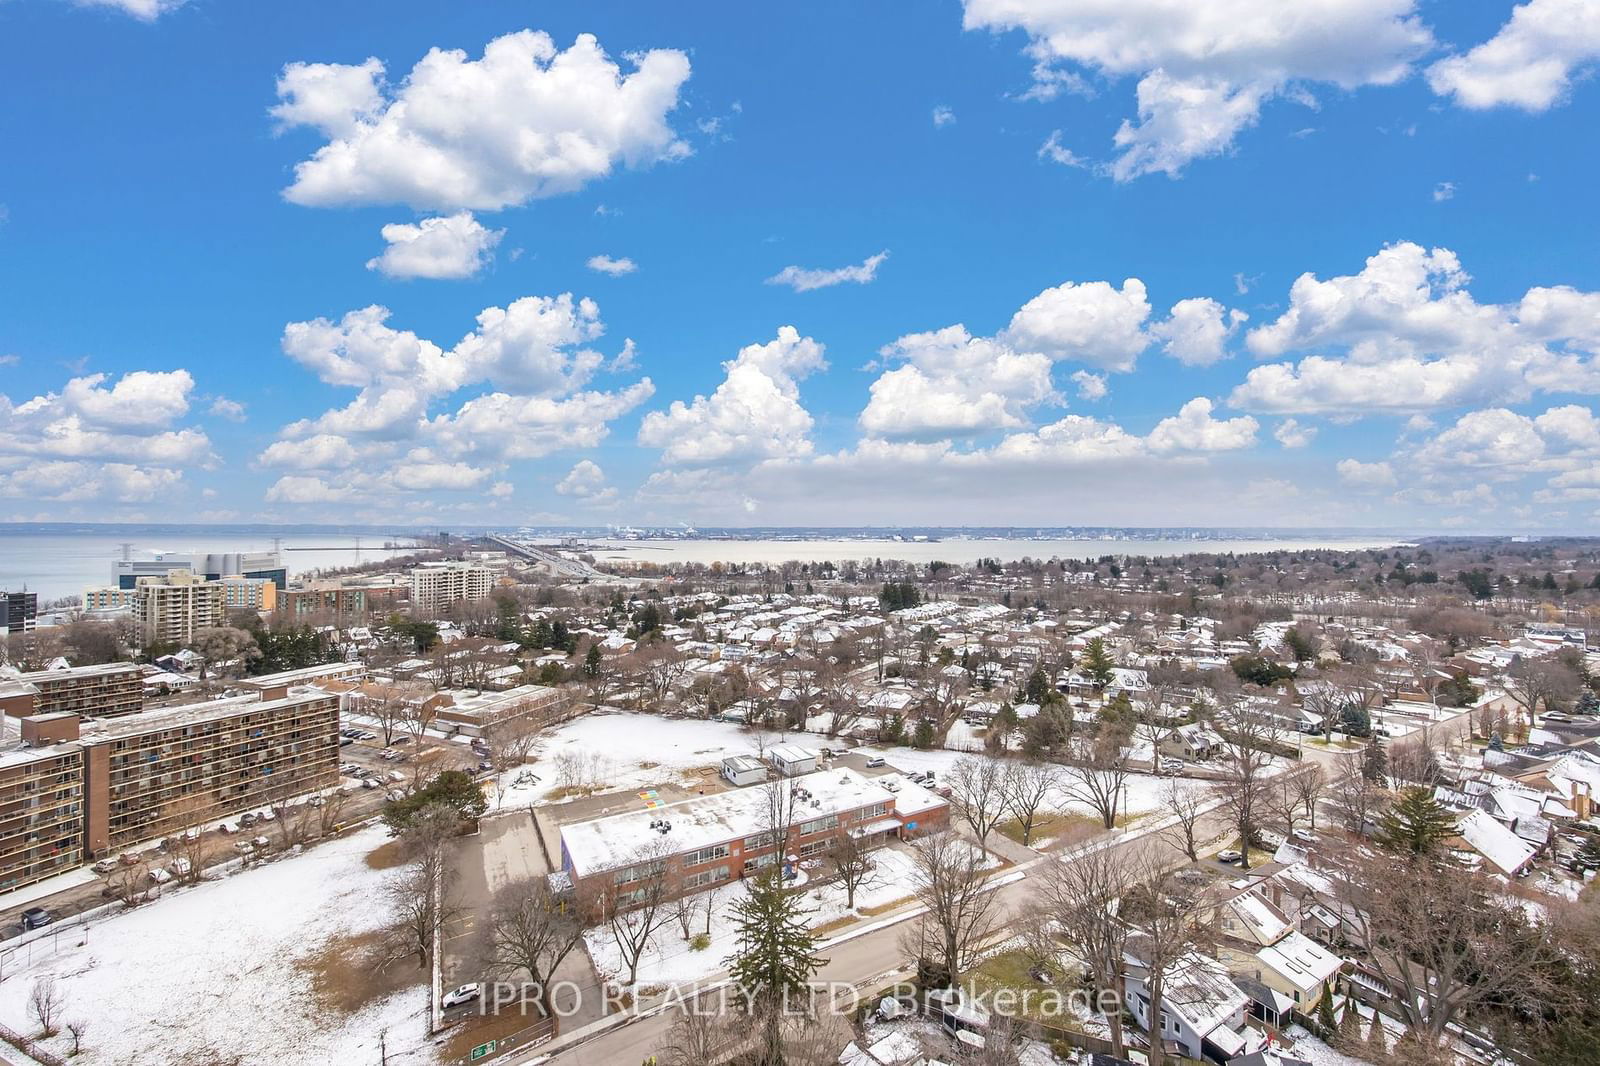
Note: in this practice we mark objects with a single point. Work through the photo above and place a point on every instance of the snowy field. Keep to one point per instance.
(624, 750)
(669, 959)
(207, 973)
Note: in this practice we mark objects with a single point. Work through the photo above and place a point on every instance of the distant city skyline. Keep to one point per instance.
(973, 264)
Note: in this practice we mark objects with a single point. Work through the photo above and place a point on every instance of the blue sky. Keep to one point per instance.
(1045, 263)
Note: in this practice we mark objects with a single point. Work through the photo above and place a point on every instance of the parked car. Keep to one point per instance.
(395, 795)
(1229, 855)
(179, 867)
(315, 801)
(465, 994)
(226, 827)
(244, 847)
(247, 819)
(396, 775)
(876, 761)
(266, 816)
(191, 834)
(261, 842)
(368, 735)
(1171, 766)
(129, 858)
(346, 741)
(158, 876)
(1304, 836)
(370, 782)
(35, 918)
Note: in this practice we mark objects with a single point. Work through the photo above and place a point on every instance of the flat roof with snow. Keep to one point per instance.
(702, 821)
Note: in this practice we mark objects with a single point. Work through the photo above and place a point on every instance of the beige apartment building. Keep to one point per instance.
(169, 610)
(435, 586)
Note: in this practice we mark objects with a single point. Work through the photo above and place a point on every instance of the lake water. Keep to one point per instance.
(962, 550)
(64, 563)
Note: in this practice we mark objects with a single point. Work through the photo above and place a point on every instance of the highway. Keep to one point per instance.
(574, 569)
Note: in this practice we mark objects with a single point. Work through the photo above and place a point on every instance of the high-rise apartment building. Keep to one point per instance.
(170, 609)
(435, 586)
(18, 611)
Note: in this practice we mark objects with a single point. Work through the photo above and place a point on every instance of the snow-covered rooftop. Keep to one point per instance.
(702, 821)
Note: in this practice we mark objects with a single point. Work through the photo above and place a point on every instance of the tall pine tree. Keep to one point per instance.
(776, 957)
(1416, 824)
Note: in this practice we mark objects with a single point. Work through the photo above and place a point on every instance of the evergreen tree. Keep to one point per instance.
(1349, 1019)
(1416, 824)
(1097, 663)
(1377, 1040)
(775, 958)
(923, 735)
(1375, 762)
(1325, 1017)
(591, 661)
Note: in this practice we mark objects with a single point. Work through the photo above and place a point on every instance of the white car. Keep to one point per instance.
(465, 994)
(1227, 855)
(261, 842)
(158, 876)
(179, 867)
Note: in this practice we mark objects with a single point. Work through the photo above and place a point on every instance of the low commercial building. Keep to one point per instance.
(703, 841)
(742, 770)
(108, 690)
(791, 760)
(209, 566)
(435, 586)
(483, 710)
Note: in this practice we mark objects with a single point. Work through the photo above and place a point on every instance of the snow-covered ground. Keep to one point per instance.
(669, 959)
(624, 750)
(207, 973)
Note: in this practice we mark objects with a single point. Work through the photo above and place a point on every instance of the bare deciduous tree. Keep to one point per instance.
(1097, 776)
(1449, 942)
(851, 860)
(633, 904)
(947, 879)
(1027, 785)
(45, 1004)
(77, 1027)
(1248, 732)
(978, 793)
(1187, 803)
(1079, 897)
(531, 931)
(423, 898)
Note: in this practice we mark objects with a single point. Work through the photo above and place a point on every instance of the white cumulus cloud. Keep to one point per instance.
(754, 413)
(1205, 70)
(526, 121)
(450, 246)
(1530, 64)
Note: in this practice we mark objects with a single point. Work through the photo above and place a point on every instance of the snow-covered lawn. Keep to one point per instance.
(624, 750)
(670, 960)
(207, 973)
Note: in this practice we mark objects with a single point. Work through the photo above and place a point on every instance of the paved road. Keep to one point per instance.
(869, 961)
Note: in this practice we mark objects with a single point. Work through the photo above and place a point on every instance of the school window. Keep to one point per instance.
(695, 858)
(706, 877)
(817, 825)
(814, 847)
